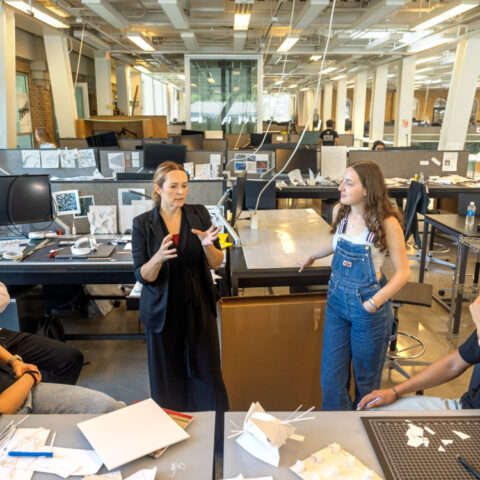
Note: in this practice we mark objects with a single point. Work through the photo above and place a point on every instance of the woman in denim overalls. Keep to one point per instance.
(358, 316)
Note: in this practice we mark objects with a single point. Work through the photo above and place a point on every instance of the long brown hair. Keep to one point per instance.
(43, 136)
(161, 175)
(378, 205)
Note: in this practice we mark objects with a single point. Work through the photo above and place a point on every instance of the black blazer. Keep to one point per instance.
(147, 236)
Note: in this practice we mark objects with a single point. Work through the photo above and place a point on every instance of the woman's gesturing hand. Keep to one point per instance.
(165, 253)
(208, 236)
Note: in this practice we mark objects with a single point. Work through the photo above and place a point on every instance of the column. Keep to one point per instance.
(136, 86)
(60, 72)
(465, 74)
(341, 105)
(359, 101)
(121, 73)
(318, 106)
(8, 96)
(310, 97)
(103, 83)
(379, 98)
(327, 103)
(403, 106)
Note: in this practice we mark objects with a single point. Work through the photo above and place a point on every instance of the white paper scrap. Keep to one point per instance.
(429, 430)
(145, 474)
(135, 159)
(6, 473)
(436, 161)
(441, 449)
(416, 430)
(297, 438)
(462, 435)
(241, 477)
(115, 475)
(215, 158)
(447, 442)
(424, 163)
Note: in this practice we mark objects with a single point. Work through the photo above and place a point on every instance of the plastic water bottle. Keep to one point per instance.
(470, 218)
(421, 178)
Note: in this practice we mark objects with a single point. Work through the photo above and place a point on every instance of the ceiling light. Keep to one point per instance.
(447, 12)
(370, 34)
(104, 10)
(339, 77)
(304, 89)
(288, 43)
(426, 60)
(293, 86)
(141, 41)
(242, 18)
(90, 39)
(391, 75)
(181, 76)
(236, 72)
(278, 82)
(315, 58)
(329, 70)
(426, 43)
(142, 69)
(427, 69)
(37, 12)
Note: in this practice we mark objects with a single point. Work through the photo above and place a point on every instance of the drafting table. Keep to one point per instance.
(196, 452)
(344, 428)
(269, 255)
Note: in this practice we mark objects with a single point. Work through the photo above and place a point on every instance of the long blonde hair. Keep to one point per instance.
(161, 175)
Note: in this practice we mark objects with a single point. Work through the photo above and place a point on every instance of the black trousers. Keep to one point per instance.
(58, 362)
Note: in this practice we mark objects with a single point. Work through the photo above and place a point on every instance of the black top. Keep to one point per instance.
(470, 352)
(328, 137)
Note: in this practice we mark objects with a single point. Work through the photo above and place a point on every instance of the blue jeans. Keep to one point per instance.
(352, 335)
(58, 398)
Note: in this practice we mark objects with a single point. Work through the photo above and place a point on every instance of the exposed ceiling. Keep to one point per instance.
(364, 34)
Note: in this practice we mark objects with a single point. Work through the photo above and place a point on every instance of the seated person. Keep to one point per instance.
(443, 370)
(378, 145)
(58, 362)
(22, 390)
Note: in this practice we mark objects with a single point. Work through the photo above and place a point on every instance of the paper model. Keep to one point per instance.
(263, 434)
(333, 462)
(102, 219)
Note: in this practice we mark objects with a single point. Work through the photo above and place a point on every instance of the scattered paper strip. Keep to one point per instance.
(441, 449)
(447, 442)
(430, 431)
(462, 435)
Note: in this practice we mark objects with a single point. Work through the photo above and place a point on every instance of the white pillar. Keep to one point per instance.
(310, 95)
(379, 98)
(8, 96)
(121, 73)
(136, 81)
(461, 95)
(327, 103)
(404, 104)
(103, 83)
(60, 72)
(359, 101)
(181, 106)
(318, 106)
(341, 105)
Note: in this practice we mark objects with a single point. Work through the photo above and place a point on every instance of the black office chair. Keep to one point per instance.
(412, 293)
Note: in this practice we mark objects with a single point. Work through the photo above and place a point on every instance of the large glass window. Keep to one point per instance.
(224, 95)
(24, 116)
(278, 106)
(79, 102)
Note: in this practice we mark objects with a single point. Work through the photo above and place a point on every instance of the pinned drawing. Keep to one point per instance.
(68, 158)
(49, 158)
(86, 158)
(31, 158)
(85, 203)
(67, 202)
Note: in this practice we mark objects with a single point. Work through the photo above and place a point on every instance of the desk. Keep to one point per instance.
(269, 255)
(454, 225)
(196, 452)
(343, 427)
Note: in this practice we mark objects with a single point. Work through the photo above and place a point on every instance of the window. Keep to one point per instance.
(24, 117)
(438, 111)
(348, 110)
(277, 106)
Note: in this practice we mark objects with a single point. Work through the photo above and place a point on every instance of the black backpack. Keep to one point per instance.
(51, 326)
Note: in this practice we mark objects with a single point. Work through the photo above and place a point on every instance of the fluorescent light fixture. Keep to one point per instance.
(142, 69)
(377, 13)
(104, 10)
(278, 82)
(311, 10)
(329, 70)
(141, 41)
(37, 12)
(288, 43)
(350, 86)
(339, 77)
(391, 75)
(427, 43)
(439, 15)
(174, 11)
(293, 86)
(426, 60)
(370, 34)
(242, 17)
(90, 39)
(181, 76)
(315, 58)
(236, 72)
(427, 69)
(304, 89)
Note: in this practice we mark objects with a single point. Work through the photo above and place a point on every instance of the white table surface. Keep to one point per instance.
(345, 428)
(283, 238)
(195, 452)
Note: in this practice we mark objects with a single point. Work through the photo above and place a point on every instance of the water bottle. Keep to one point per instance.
(470, 218)
(422, 178)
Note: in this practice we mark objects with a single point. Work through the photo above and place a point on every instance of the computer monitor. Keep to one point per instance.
(310, 138)
(256, 139)
(192, 142)
(184, 131)
(108, 139)
(156, 153)
(238, 197)
(25, 199)
(268, 198)
(303, 159)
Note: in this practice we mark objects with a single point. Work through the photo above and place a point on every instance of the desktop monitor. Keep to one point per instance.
(184, 131)
(192, 142)
(253, 189)
(310, 138)
(25, 199)
(257, 138)
(303, 159)
(156, 153)
(107, 139)
(238, 197)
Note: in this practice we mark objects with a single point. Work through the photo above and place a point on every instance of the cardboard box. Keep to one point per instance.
(271, 350)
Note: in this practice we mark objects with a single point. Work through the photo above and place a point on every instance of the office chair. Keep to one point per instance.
(413, 293)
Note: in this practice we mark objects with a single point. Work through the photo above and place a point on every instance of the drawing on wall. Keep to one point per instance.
(49, 158)
(67, 202)
(86, 159)
(68, 158)
(31, 158)
(85, 203)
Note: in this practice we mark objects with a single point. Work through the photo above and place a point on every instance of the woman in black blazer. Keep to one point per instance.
(174, 247)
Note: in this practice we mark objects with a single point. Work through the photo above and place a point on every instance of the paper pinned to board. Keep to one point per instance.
(450, 160)
(131, 432)
(215, 159)
(436, 161)
(333, 161)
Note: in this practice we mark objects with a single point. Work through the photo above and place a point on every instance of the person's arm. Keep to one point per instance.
(4, 297)
(18, 366)
(398, 256)
(150, 270)
(12, 398)
(207, 239)
(336, 139)
(439, 372)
